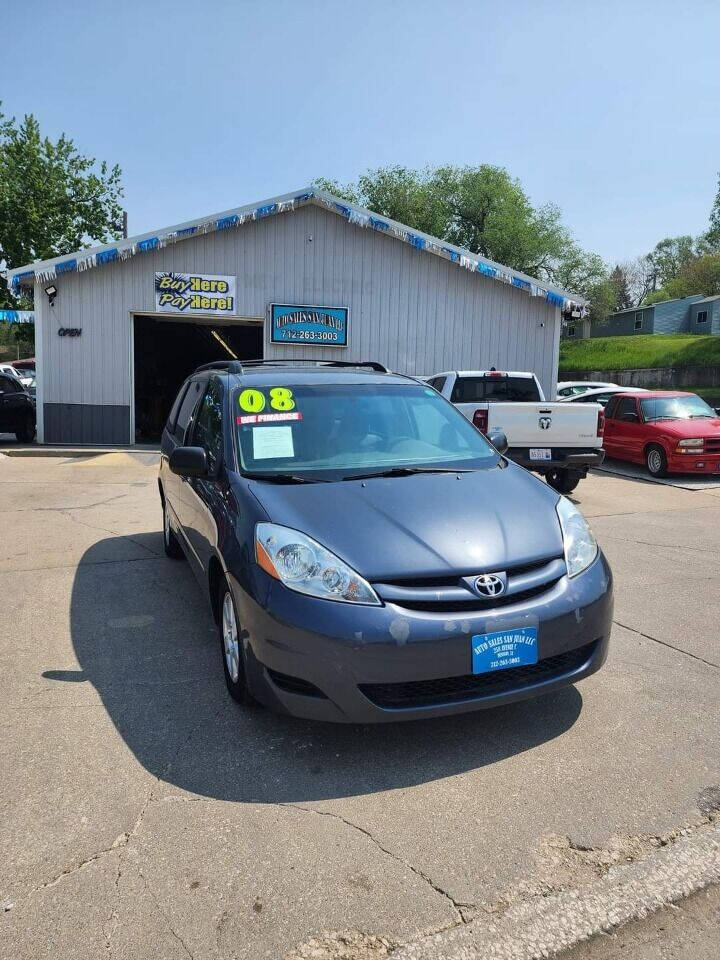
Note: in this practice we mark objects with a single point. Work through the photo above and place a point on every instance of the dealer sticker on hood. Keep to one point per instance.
(504, 649)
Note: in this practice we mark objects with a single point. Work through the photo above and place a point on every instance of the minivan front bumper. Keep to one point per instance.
(345, 662)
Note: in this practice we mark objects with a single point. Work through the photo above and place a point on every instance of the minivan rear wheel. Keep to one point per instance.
(656, 460)
(231, 648)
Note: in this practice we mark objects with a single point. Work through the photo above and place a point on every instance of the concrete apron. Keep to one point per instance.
(545, 926)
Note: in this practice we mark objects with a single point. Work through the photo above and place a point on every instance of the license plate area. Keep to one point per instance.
(540, 453)
(504, 649)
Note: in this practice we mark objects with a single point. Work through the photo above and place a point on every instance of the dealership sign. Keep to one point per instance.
(321, 326)
(192, 293)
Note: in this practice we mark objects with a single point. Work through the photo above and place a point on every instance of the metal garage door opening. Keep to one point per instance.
(167, 351)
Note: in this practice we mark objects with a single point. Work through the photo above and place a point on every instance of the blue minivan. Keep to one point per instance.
(367, 553)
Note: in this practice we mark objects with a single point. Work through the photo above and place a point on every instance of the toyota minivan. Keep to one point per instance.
(368, 555)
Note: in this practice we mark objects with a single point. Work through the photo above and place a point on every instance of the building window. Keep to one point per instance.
(702, 316)
(571, 331)
(638, 321)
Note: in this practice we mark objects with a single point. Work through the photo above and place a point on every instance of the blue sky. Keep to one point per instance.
(609, 109)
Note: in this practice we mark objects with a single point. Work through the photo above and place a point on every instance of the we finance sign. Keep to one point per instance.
(192, 293)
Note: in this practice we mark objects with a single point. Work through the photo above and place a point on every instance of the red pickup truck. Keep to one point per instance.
(668, 431)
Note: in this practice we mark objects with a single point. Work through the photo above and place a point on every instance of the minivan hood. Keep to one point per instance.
(424, 525)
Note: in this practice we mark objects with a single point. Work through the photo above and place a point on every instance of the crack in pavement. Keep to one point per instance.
(81, 506)
(668, 546)
(165, 917)
(456, 904)
(670, 646)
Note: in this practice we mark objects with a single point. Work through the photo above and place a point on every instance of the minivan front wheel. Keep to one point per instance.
(231, 646)
(656, 461)
(170, 540)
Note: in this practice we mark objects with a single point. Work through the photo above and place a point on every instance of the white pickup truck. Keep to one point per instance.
(559, 440)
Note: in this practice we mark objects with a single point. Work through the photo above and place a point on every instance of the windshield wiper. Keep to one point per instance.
(702, 416)
(282, 478)
(405, 472)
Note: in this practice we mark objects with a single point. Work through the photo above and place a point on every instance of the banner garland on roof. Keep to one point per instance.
(351, 214)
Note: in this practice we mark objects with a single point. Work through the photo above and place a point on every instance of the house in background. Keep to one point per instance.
(575, 329)
(696, 314)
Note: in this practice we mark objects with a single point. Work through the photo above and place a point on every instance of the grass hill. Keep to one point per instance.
(623, 353)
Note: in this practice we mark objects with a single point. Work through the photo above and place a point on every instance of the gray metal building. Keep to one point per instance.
(112, 349)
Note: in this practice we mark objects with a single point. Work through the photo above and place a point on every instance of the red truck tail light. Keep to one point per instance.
(601, 423)
(480, 420)
(495, 373)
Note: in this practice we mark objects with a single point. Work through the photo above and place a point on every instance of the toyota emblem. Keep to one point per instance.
(490, 585)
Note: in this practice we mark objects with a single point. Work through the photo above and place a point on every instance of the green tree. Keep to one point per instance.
(670, 256)
(621, 289)
(480, 208)
(711, 240)
(53, 199)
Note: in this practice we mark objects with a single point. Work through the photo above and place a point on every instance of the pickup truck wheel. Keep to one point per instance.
(26, 432)
(656, 461)
(562, 480)
(170, 540)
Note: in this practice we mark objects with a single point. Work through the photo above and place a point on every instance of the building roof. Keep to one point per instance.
(46, 270)
(708, 299)
(693, 298)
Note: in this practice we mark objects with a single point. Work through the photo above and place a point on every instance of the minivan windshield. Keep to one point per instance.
(334, 431)
(675, 408)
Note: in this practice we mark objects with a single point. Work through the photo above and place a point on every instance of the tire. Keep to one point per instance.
(170, 540)
(231, 651)
(656, 460)
(562, 480)
(26, 433)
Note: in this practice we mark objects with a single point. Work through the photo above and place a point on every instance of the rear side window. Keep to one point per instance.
(9, 385)
(611, 407)
(508, 389)
(438, 383)
(626, 405)
(172, 416)
(207, 431)
(187, 406)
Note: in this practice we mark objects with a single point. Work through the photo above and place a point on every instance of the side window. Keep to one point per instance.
(467, 390)
(186, 408)
(7, 385)
(626, 405)
(172, 416)
(207, 429)
(611, 408)
(438, 383)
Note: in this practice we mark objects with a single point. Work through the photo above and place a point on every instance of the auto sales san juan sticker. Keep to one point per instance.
(314, 326)
(504, 649)
(192, 293)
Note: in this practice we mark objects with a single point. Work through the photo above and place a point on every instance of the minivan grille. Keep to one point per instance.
(425, 693)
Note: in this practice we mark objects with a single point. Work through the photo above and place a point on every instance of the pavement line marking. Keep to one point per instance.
(664, 643)
(545, 926)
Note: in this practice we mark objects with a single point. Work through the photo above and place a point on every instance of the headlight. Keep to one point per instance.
(694, 445)
(580, 545)
(303, 565)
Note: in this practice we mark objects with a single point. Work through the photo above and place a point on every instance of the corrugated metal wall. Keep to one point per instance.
(412, 311)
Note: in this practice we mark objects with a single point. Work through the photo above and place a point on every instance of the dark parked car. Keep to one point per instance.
(17, 409)
(367, 553)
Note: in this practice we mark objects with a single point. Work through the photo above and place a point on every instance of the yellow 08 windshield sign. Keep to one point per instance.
(254, 401)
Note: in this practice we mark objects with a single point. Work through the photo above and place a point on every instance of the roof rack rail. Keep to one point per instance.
(231, 366)
(238, 366)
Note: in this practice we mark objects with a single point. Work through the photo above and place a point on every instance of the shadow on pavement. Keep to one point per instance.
(145, 640)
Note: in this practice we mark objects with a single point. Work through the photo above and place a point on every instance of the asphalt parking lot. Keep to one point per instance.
(145, 814)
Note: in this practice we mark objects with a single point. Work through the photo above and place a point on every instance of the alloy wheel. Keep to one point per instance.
(230, 638)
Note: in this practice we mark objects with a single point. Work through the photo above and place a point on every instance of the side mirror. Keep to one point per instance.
(498, 439)
(189, 462)
(631, 418)
(717, 410)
